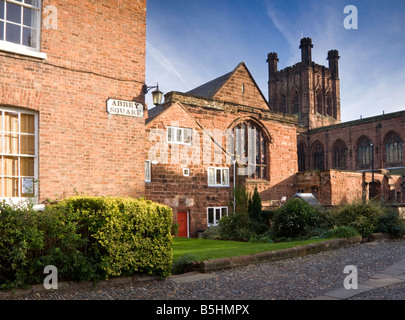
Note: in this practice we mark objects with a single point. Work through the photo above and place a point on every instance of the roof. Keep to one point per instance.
(209, 89)
(309, 198)
(153, 113)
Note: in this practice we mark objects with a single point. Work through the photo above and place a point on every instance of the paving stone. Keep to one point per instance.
(343, 293)
(393, 271)
(382, 282)
(191, 277)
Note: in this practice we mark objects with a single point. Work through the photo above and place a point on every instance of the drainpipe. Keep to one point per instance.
(234, 186)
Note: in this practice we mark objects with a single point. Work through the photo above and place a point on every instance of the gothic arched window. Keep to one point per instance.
(329, 106)
(339, 155)
(296, 102)
(319, 102)
(393, 147)
(250, 149)
(318, 156)
(283, 103)
(301, 157)
(364, 151)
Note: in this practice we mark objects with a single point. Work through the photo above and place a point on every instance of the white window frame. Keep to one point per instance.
(216, 221)
(16, 200)
(148, 167)
(217, 183)
(20, 48)
(182, 130)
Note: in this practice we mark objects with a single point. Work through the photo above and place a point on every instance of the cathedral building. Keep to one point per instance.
(73, 119)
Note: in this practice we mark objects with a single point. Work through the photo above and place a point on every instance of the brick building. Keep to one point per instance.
(224, 133)
(201, 140)
(73, 119)
(60, 61)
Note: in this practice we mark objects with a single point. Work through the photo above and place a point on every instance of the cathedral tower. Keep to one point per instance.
(308, 89)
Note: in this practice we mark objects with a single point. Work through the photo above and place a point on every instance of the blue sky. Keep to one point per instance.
(190, 42)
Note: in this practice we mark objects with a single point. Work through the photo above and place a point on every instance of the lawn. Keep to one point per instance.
(213, 249)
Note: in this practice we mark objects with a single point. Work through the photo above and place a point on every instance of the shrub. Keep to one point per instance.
(125, 235)
(86, 238)
(296, 218)
(362, 216)
(184, 263)
(266, 237)
(20, 242)
(235, 227)
(213, 233)
(175, 229)
(342, 232)
(391, 223)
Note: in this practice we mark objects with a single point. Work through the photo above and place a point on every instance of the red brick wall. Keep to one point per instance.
(96, 52)
(242, 90)
(375, 129)
(215, 117)
(333, 187)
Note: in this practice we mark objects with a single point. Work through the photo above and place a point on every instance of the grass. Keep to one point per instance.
(207, 249)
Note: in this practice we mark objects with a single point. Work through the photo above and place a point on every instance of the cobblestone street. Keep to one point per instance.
(301, 278)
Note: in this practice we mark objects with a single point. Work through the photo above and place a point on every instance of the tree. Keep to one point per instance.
(255, 213)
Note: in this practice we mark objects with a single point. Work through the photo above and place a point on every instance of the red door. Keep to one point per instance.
(182, 218)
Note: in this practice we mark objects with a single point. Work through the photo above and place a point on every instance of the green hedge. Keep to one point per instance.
(86, 238)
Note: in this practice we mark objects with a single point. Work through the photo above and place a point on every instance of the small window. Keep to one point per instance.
(215, 214)
(179, 135)
(186, 172)
(218, 177)
(148, 171)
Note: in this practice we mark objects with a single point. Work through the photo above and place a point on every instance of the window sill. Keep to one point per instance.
(21, 50)
(219, 186)
(256, 180)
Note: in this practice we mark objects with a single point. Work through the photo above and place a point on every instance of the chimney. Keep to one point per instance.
(306, 51)
(333, 57)
(272, 60)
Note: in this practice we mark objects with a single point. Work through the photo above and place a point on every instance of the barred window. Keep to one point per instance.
(393, 148)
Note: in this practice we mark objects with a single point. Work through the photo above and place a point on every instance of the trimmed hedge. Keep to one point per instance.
(86, 238)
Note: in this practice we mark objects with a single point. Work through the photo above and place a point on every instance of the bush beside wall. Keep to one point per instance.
(86, 238)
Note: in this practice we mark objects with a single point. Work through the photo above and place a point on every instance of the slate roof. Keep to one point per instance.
(209, 89)
(153, 113)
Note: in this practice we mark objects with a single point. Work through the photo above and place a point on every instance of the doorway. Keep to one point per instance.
(182, 219)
